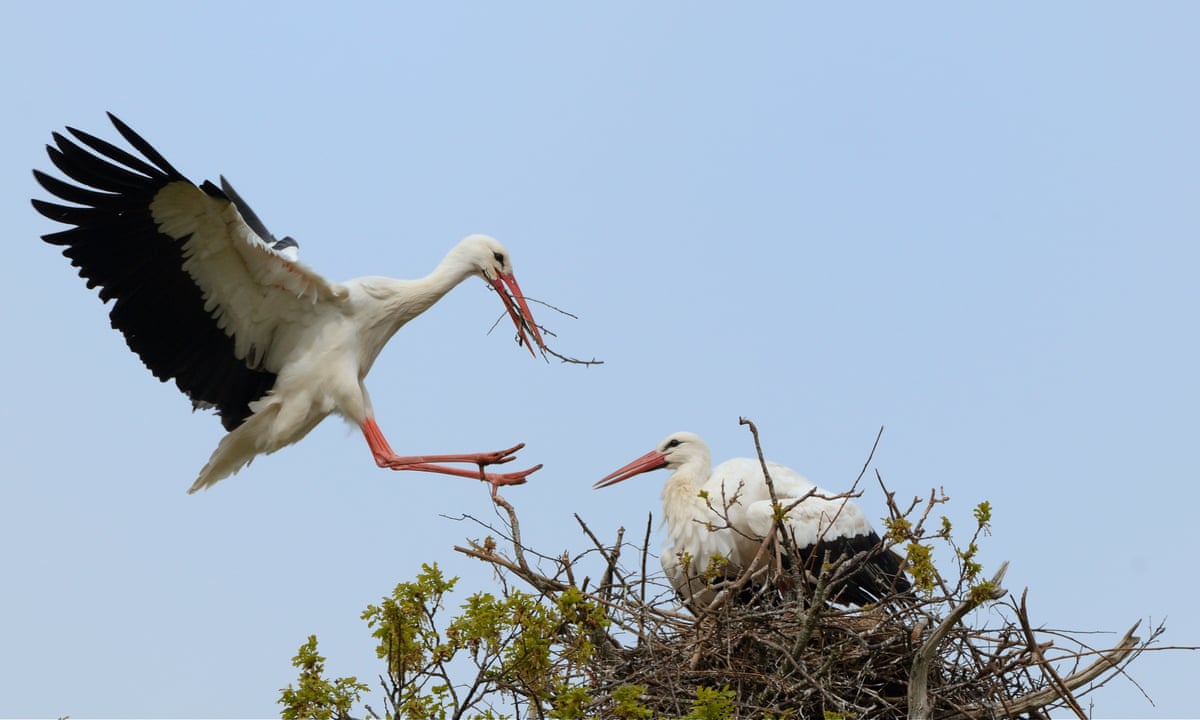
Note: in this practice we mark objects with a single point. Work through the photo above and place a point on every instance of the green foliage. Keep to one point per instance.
(898, 529)
(571, 702)
(713, 704)
(981, 592)
(521, 644)
(524, 648)
(983, 515)
(919, 549)
(412, 646)
(627, 702)
(316, 698)
(970, 568)
(403, 622)
(716, 567)
(920, 565)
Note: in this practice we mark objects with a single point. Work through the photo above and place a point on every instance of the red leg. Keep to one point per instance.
(387, 458)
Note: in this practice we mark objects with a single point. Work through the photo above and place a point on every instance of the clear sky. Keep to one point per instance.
(974, 225)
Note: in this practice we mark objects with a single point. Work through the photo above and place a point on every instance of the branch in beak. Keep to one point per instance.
(514, 302)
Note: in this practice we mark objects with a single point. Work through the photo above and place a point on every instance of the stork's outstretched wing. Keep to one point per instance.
(201, 288)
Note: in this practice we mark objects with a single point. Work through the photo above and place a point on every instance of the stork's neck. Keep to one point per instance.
(403, 300)
(682, 504)
(390, 303)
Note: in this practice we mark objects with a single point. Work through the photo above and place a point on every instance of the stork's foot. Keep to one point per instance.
(502, 456)
(514, 478)
(385, 457)
(388, 459)
(495, 480)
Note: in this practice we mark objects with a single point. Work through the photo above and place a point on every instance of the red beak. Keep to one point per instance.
(652, 460)
(514, 302)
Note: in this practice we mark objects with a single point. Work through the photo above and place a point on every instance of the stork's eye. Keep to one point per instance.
(672, 443)
(499, 257)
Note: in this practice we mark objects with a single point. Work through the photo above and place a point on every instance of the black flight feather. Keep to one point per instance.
(118, 247)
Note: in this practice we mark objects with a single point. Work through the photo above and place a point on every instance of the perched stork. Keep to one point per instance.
(206, 296)
(726, 513)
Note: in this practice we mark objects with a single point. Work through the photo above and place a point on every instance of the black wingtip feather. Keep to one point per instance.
(74, 193)
(82, 166)
(139, 143)
(123, 157)
(115, 242)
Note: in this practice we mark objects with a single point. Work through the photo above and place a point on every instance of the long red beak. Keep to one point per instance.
(514, 302)
(652, 460)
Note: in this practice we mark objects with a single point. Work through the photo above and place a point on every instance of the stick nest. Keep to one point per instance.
(788, 653)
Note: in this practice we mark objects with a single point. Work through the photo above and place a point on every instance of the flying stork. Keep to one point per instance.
(726, 513)
(206, 296)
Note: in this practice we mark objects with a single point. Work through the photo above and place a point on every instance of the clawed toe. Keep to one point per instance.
(515, 478)
(501, 456)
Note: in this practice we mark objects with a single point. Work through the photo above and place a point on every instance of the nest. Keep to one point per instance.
(824, 661)
(770, 644)
(788, 653)
(774, 661)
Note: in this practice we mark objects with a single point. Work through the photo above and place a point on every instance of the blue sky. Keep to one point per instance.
(973, 225)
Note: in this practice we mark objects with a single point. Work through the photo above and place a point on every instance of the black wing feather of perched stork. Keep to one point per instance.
(726, 511)
(208, 297)
(881, 576)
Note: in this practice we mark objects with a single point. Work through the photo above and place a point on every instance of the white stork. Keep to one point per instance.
(206, 296)
(726, 513)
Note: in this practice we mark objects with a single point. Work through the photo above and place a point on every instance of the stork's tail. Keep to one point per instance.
(237, 449)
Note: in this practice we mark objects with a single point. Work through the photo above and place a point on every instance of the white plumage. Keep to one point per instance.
(726, 512)
(207, 297)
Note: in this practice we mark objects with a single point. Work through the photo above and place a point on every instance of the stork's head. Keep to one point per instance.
(677, 450)
(492, 262)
